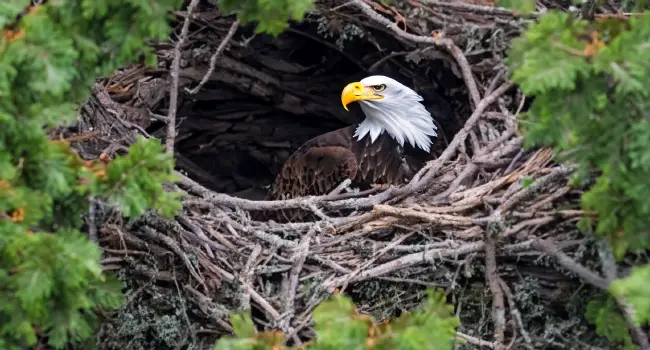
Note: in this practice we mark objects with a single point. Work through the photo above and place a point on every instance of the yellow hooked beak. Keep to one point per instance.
(357, 92)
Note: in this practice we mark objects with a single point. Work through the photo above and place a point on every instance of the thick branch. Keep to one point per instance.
(176, 64)
(587, 275)
(446, 44)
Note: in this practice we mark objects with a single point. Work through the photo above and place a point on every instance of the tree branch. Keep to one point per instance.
(173, 93)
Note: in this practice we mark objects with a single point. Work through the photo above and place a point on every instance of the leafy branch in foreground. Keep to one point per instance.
(592, 105)
(339, 326)
(271, 15)
(590, 83)
(51, 279)
(50, 54)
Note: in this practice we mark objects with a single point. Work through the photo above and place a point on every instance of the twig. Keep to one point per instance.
(184, 309)
(221, 199)
(215, 56)
(478, 9)
(439, 219)
(343, 185)
(514, 312)
(495, 80)
(300, 255)
(610, 272)
(422, 179)
(548, 200)
(92, 225)
(491, 275)
(548, 247)
(171, 243)
(255, 296)
(175, 68)
(247, 275)
(404, 262)
(532, 189)
(477, 341)
(472, 168)
(638, 334)
(375, 256)
(199, 233)
(447, 44)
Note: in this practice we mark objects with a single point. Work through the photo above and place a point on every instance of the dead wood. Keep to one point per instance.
(233, 106)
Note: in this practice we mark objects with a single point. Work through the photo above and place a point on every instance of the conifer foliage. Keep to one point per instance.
(338, 326)
(269, 16)
(51, 280)
(591, 104)
(590, 82)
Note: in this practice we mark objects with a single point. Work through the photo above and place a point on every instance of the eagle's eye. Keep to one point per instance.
(379, 88)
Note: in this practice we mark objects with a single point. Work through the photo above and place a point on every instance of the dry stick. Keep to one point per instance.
(301, 252)
(477, 341)
(255, 296)
(550, 199)
(208, 305)
(420, 257)
(92, 225)
(198, 232)
(472, 168)
(488, 10)
(176, 65)
(508, 147)
(514, 312)
(434, 218)
(343, 185)
(528, 192)
(171, 243)
(610, 272)
(184, 308)
(213, 59)
(426, 174)
(498, 307)
(247, 277)
(637, 332)
(548, 247)
(446, 44)
(376, 256)
(404, 262)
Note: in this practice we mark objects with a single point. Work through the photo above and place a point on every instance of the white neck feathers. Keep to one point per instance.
(402, 116)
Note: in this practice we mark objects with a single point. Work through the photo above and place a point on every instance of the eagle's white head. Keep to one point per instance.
(392, 107)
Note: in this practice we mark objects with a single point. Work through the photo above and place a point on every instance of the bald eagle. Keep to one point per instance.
(376, 151)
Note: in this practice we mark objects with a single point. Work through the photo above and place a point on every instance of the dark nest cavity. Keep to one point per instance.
(269, 96)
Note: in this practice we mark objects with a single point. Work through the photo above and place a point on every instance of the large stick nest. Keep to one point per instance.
(485, 220)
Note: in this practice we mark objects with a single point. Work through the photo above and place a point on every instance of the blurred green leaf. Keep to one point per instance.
(521, 6)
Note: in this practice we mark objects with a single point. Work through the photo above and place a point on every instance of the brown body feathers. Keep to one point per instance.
(322, 163)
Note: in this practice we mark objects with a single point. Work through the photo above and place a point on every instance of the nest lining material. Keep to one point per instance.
(466, 223)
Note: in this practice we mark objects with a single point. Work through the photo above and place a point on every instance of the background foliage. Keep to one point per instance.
(269, 16)
(591, 104)
(50, 276)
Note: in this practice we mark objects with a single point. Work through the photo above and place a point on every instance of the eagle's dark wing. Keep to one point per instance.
(317, 167)
(322, 163)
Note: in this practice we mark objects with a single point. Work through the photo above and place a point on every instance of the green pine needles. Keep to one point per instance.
(591, 84)
(339, 326)
(51, 280)
(270, 16)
